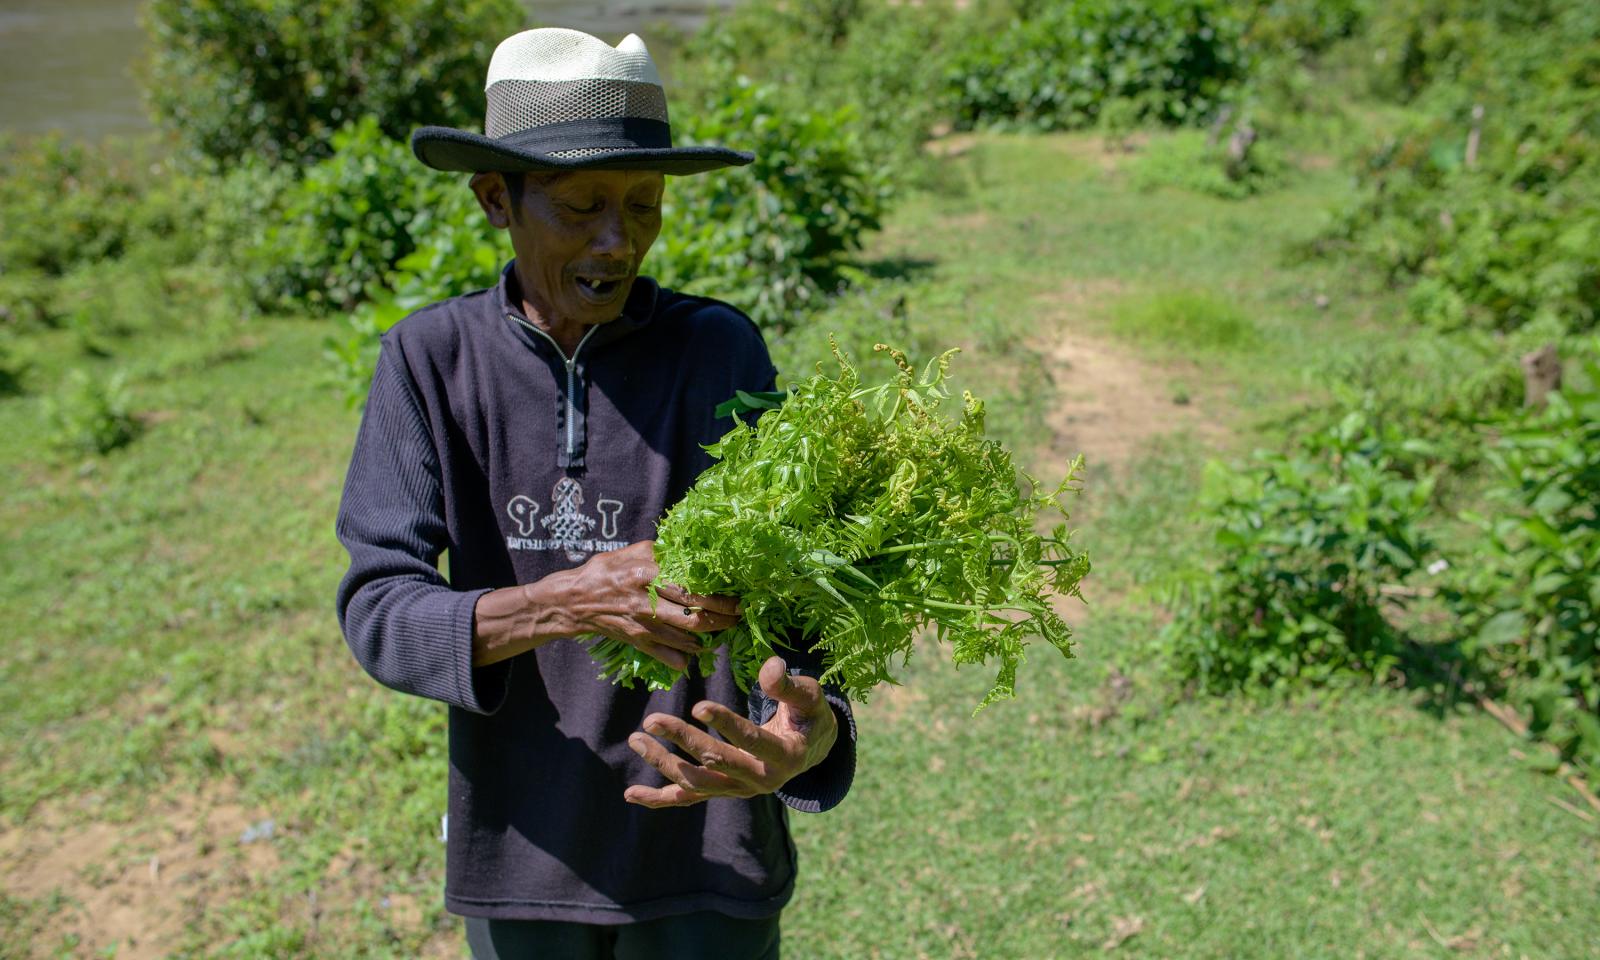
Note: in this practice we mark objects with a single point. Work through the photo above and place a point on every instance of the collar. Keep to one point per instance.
(637, 311)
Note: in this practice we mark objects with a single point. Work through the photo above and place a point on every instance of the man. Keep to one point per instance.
(535, 432)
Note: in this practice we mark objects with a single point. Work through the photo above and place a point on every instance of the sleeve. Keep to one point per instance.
(404, 623)
(824, 786)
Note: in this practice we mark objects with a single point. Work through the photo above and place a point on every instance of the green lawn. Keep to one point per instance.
(173, 675)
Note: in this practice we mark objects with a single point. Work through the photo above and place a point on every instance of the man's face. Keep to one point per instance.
(579, 237)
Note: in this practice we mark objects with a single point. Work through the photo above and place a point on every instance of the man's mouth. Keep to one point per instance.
(600, 289)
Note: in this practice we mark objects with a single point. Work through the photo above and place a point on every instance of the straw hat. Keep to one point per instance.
(563, 100)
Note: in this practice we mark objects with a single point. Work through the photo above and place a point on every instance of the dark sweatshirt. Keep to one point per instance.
(481, 440)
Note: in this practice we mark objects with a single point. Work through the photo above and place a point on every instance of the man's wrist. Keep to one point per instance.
(513, 620)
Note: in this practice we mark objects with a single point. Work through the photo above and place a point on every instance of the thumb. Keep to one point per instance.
(801, 694)
(774, 678)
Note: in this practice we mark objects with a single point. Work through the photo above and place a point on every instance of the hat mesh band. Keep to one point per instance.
(518, 105)
(585, 152)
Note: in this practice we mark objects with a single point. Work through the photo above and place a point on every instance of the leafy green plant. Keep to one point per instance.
(274, 79)
(852, 514)
(457, 252)
(1055, 67)
(774, 237)
(90, 414)
(1488, 209)
(345, 223)
(1305, 543)
(1529, 604)
(883, 60)
(64, 204)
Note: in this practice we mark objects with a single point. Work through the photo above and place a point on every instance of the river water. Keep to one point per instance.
(70, 65)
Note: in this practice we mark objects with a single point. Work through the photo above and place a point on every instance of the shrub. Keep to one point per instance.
(61, 205)
(89, 414)
(1301, 27)
(1529, 605)
(1489, 209)
(883, 60)
(276, 78)
(1056, 68)
(457, 252)
(1305, 543)
(345, 223)
(772, 237)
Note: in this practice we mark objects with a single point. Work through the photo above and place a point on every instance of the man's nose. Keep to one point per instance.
(613, 239)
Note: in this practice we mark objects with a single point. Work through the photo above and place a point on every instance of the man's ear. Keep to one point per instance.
(493, 197)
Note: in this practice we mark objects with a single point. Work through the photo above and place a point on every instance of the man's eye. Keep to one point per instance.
(646, 207)
(578, 208)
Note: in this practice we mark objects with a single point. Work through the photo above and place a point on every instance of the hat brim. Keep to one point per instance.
(461, 151)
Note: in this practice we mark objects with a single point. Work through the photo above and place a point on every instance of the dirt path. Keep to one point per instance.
(1111, 403)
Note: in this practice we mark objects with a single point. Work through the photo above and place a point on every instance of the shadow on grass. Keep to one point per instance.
(898, 268)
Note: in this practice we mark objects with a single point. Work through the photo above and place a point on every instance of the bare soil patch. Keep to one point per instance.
(1110, 402)
(135, 887)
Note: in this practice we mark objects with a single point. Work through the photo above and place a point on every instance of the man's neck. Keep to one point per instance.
(565, 334)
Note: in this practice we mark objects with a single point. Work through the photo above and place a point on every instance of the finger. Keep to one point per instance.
(680, 771)
(670, 795)
(739, 731)
(663, 633)
(803, 695)
(672, 658)
(716, 755)
(711, 602)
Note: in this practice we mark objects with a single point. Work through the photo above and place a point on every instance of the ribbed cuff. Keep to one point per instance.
(479, 689)
(824, 786)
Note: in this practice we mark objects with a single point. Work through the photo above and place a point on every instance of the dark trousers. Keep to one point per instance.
(690, 936)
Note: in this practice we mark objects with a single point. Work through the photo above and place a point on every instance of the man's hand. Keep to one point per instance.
(608, 596)
(749, 760)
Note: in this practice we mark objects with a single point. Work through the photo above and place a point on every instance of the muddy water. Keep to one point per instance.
(71, 65)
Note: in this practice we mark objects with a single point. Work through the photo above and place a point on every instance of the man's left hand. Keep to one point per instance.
(749, 760)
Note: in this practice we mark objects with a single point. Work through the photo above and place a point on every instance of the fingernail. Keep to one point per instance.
(702, 712)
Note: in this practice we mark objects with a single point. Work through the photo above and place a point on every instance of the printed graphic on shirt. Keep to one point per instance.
(566, 526)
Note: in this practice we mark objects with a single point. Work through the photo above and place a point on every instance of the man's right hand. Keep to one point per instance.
(608, 595)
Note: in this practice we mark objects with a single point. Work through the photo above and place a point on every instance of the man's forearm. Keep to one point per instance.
(517, 619)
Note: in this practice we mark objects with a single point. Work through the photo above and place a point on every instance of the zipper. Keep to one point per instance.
(571, 363)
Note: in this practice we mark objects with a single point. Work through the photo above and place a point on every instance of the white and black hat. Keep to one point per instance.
(563, 100)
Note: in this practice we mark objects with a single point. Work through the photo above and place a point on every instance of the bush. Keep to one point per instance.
(1056, 68)
(63, 204)
(457, 252)
(89, 414)
(1529, 605)
(771, 238)
(1298, 28)
(1305, 544)
(885, 61)
(1489, 210)
(345, 223)
(274, 79)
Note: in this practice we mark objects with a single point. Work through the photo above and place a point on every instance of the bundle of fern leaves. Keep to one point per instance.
(856, 516)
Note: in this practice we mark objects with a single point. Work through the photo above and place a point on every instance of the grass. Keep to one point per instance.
(172, 671)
